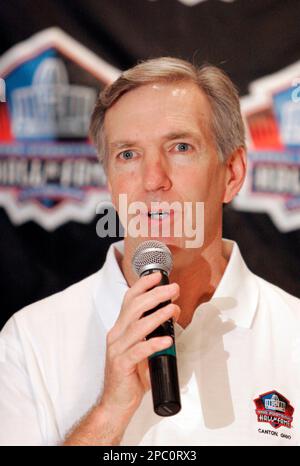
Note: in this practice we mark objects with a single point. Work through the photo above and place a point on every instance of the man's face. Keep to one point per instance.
(160, 148)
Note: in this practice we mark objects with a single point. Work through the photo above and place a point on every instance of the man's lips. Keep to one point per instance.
(158, 216)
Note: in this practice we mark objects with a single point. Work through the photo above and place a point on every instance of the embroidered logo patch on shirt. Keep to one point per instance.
(274, 408)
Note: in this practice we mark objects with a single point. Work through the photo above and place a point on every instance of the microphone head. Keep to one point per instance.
(152, 255)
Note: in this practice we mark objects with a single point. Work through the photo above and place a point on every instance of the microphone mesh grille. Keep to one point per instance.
(153, 253)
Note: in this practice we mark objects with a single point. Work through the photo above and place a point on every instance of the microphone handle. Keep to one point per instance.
(163, 364)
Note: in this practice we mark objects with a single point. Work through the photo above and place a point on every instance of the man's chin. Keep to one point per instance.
(173, 243)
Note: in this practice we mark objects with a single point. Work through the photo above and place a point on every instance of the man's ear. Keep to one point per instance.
(236, 165)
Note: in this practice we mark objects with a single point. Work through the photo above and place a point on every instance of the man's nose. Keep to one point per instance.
(156, 173)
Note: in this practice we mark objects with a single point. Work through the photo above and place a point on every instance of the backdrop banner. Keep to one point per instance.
(272, 116)
(49, 171)
(56, 57)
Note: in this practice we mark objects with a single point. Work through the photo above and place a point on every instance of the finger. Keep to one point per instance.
(134, 309)
(131, 314)
(144, 284)
(140, 329)
(139, 287)
(136, 354)
(157, 295)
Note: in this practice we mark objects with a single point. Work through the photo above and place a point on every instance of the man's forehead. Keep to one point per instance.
(177, 89)
(180, 88)
(187, 113)
(181, 96)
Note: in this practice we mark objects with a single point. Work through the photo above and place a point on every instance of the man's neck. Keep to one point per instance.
(197, 272)
(199, 284)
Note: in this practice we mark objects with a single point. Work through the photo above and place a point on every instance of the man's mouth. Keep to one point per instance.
(158, 215)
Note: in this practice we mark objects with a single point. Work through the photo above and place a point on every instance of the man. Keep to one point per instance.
(74, 368)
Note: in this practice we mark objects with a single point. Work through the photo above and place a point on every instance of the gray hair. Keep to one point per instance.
(226, 123)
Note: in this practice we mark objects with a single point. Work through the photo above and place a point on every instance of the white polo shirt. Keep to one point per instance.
(238, 363)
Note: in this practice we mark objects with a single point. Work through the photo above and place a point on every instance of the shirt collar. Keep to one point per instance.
(111, 287)
(236, 296)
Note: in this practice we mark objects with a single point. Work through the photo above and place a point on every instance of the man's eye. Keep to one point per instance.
(182, 147)
(127, 154)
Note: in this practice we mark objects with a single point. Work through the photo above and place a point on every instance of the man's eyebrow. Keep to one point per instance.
(168, 137)
(181, 135)
(121, 144)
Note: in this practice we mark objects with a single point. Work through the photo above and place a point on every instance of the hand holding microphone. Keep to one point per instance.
(131, 341)
(144, 329)
(150, 257)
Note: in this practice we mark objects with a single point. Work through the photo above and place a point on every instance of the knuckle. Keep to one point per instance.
(110, 337)
(116, 363)
(134, 302)
(137, 309)
(151, 277)
(158, 291)
(145, 278)
(113, 335)
(128, 304)
(126, 298)
(136, 327)
(140, 351)
(111, 352)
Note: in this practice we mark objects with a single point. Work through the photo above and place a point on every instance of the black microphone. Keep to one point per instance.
(150, 257)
